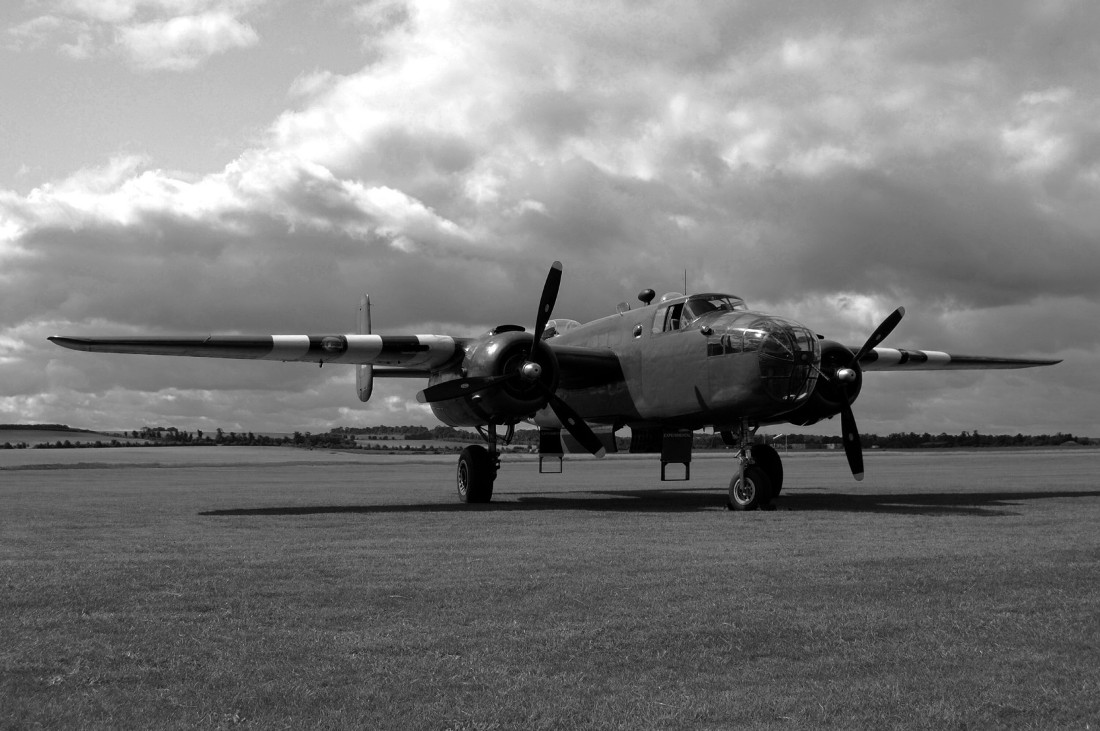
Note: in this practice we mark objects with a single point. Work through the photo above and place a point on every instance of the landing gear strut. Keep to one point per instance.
(759, 476)
(477, 466)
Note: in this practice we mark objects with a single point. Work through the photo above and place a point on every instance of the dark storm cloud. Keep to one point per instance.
(970, 242)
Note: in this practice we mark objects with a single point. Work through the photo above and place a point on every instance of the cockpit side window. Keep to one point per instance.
(675, 317)
(659, 320)
(669, 318)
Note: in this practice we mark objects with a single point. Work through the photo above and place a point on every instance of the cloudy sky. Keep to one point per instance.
(252, 166)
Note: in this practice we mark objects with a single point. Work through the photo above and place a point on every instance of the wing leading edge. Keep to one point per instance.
(888, 359)
(400, 351)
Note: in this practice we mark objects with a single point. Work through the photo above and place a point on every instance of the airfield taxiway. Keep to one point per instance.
(288, 588)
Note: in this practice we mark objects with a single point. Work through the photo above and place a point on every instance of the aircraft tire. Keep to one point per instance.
(476, 474)
(768, 459)
(756, 493)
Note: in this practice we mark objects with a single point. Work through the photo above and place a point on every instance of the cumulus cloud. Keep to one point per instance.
(32, 33)
(184, 42)
(827, 162)
(152, 35)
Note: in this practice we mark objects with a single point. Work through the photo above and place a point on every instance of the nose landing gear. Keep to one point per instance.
(759, 476)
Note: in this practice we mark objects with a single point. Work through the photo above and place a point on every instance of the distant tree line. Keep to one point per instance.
(348, 438)
(170, 436)
(912, 440)
(42, 427)
(436, 433)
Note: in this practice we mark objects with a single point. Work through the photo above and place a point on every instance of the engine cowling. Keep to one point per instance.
(830, 392)
(513, 399)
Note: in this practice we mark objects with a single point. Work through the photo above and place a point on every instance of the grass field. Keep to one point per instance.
(242, 587)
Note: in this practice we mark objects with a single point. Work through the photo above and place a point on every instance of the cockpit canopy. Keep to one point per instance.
(701, 304)
(679, 315)
(557, 327)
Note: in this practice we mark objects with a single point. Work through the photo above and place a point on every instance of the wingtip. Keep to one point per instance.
(601, 454)
(858, 476)
(65, 342)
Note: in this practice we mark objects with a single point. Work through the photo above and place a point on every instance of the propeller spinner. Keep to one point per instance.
(529, 372)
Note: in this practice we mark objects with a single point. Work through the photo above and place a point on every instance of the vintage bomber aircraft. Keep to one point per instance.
(665, 369)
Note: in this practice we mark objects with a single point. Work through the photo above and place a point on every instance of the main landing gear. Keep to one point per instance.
(478, 466)
(759, 476)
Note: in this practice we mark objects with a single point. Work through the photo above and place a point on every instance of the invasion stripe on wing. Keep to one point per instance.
(395, 350)
(289, 347)
(935, 360)
(403, 351)
(388, 350)
(914, 358)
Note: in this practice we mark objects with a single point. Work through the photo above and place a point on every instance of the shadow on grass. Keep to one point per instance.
(989, 504)
(928, 503)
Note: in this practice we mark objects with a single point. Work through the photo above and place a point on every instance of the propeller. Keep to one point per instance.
(546, 303)
(880, 334)
(575, 425)
(530, 371)
(460, 387)
(853, 448)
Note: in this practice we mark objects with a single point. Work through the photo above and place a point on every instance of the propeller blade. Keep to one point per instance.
(575, 425)
(459, 387)
(853, 448)
(546, 304)
(880, 333)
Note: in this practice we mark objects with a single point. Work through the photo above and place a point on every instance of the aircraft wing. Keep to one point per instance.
(420, 352)
(890, 359)
(580, 366)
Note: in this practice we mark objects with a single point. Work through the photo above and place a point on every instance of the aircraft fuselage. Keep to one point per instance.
(694, 370)
(688, 362)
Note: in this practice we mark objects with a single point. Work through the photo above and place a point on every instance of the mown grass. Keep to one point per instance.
(336, 595)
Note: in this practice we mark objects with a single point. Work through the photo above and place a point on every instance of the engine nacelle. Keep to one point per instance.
(830, 392)
(513, 399)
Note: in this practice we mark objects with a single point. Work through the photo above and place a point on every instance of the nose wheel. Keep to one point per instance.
(750, 489)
